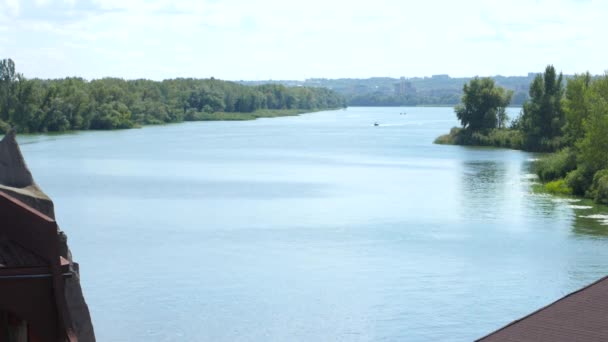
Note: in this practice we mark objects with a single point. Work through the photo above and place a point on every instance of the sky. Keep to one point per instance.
(296, 40)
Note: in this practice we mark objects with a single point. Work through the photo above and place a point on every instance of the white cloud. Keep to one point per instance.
(41, 3)
(11, 7)
(238, 39)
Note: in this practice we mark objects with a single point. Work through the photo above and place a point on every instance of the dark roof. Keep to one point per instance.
(13, 255)
(579, 316)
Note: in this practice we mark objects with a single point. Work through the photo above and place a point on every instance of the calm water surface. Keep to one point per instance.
(312, 228)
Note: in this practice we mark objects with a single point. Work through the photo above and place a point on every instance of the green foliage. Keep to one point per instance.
(576, 107)
(8, 88)
(449, 139)
(483, 105)
(556, 165)
(594, 145)
(500, 138)
(263, 113)
(496, 137)
(599, 187)
(573, 122)
(109, 103)
(4, 127)
(542, 117)
(558, 187)
(579, 180)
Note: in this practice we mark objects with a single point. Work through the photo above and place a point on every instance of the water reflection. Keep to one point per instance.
(483, 177)
(539, 202)
(491, 186)
(590, 219)
(587, 218)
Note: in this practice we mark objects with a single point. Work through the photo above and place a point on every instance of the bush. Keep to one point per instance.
(579, 180)
(599, 188)
(449, 139)
(556, 165)
(558, 187)
(4, 127)
(544, 144)
(505, 138)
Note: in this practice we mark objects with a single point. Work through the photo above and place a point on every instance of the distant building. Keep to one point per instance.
(441, 77)
(404, 87)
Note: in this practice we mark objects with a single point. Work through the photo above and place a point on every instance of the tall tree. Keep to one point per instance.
(576, 107)
(542, 117)
(8, 82)
(483, 105)
(594, 146)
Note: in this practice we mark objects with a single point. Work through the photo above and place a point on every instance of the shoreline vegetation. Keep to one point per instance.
(75, 104)
(569, 122)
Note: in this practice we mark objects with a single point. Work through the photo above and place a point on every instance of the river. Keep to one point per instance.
(319, 227)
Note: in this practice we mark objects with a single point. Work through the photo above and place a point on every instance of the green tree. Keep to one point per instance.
(8, 84)
(483, 105)
(25, 104)
(576, 107)
(594, 146)
(74, 103)
(542, 116)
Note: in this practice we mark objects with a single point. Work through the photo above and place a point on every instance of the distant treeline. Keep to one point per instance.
(438, 90)
(381, 100)
(35, 105)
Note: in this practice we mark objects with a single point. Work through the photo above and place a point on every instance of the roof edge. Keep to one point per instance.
(543, 308)
(26, 207)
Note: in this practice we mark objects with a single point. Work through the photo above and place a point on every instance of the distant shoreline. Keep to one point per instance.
(219, 116)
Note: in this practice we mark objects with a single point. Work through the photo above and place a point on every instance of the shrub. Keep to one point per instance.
(579, 180)
(556, 165)
(599, 188)
(558, 187)
(506, 138)
(4, 127)
(450, 138)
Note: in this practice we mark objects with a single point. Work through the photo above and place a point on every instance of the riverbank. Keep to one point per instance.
(262, 113)
(559, 172)
(218, 116)
(505, 138)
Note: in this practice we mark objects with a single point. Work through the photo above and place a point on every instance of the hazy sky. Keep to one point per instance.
(283, 39)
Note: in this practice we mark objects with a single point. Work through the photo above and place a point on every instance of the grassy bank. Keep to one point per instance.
(262, 113)
(562, 174)
(505, 138)
(219, 116)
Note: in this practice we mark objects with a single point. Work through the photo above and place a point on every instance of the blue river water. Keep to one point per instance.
(320, 227)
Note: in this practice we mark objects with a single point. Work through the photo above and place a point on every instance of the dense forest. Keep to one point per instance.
(437, 90)
(571, 121)
(35, 105)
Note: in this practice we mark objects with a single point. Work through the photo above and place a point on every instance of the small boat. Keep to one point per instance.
(376, 124)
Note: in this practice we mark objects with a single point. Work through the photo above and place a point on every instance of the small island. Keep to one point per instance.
(569, 123)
